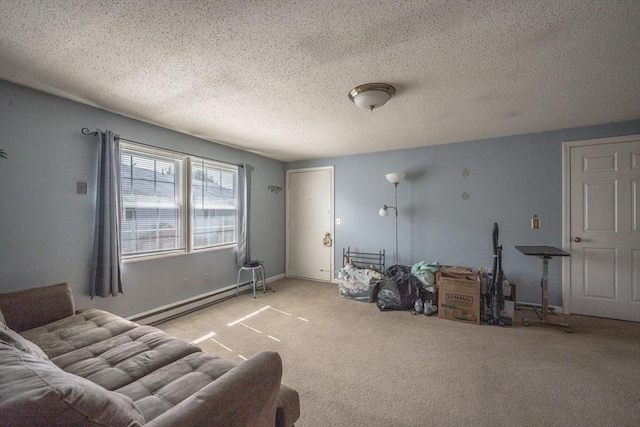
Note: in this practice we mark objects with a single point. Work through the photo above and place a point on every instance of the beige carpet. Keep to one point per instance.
(356, 366)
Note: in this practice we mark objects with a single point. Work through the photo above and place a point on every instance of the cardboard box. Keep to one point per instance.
(459, 296)
(447, 271)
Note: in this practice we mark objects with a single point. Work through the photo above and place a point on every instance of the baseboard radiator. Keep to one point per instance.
(180, 308)
(189, 305)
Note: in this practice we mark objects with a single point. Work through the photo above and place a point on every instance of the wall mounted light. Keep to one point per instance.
(393, 178)
(371, 95)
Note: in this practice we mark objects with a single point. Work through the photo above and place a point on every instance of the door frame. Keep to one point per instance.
(566, 206)
(288, 214)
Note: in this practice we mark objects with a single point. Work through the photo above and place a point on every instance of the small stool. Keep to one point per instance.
(253, 266)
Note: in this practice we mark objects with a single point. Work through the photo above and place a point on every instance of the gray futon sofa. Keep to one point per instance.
(92, 368)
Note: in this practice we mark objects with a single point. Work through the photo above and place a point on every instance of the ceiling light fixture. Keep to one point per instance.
(371, 95)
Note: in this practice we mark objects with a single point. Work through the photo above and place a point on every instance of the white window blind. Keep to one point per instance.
(214, 204)
(152, 201)
(170, 199)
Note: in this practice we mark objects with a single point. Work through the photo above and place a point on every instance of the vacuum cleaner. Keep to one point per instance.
(494, 298)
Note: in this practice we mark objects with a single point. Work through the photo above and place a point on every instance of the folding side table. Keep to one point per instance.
(546, 253)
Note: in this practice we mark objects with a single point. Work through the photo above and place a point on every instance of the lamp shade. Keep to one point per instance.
(383, 212)
(372, 99)
(371, 95)
(395, 178)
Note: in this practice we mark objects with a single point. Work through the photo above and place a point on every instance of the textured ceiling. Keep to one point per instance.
(272, 77)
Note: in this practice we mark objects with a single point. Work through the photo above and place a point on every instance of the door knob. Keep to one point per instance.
(577, 239)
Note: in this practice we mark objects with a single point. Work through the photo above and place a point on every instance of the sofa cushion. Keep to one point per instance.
(35, 392)
(168, 386)
(15, 340)
(246, 395)
(30, 308)
(78, 331)
(120, 360)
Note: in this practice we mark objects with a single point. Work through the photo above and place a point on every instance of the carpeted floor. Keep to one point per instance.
(356, 366)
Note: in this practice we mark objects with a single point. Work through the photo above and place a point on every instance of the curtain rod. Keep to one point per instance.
(86, 131)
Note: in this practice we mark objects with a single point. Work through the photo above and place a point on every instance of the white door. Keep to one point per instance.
(604, 233)
(310, 223)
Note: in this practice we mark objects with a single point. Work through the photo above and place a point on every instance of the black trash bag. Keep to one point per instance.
(395, 269)
(399, 291)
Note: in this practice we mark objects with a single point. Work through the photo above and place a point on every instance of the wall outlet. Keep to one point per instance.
(535, 222)
(81, 187)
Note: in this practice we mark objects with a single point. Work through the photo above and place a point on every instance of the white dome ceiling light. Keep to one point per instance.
(371, 95)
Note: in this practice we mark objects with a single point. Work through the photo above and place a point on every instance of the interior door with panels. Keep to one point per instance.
(605, 230)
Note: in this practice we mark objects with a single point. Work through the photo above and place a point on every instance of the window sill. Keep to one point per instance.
(176, 253)
(214, 248)
(137, 258)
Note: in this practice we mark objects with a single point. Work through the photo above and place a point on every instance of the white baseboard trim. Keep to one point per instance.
(188, 305)
(274, 278)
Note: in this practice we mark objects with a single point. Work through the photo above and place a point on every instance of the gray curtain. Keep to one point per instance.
(244, 209)
(106, 276)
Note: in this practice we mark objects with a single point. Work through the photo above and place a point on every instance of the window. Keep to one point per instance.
(152, 218)
(156, 215)
(213, 204)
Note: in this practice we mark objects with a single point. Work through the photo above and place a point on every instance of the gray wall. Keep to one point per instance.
(510, 179)
(46, 229)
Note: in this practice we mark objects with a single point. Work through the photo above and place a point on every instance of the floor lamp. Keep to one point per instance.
(393, 178)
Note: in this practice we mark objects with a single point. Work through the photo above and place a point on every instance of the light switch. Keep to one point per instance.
(338, 221)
